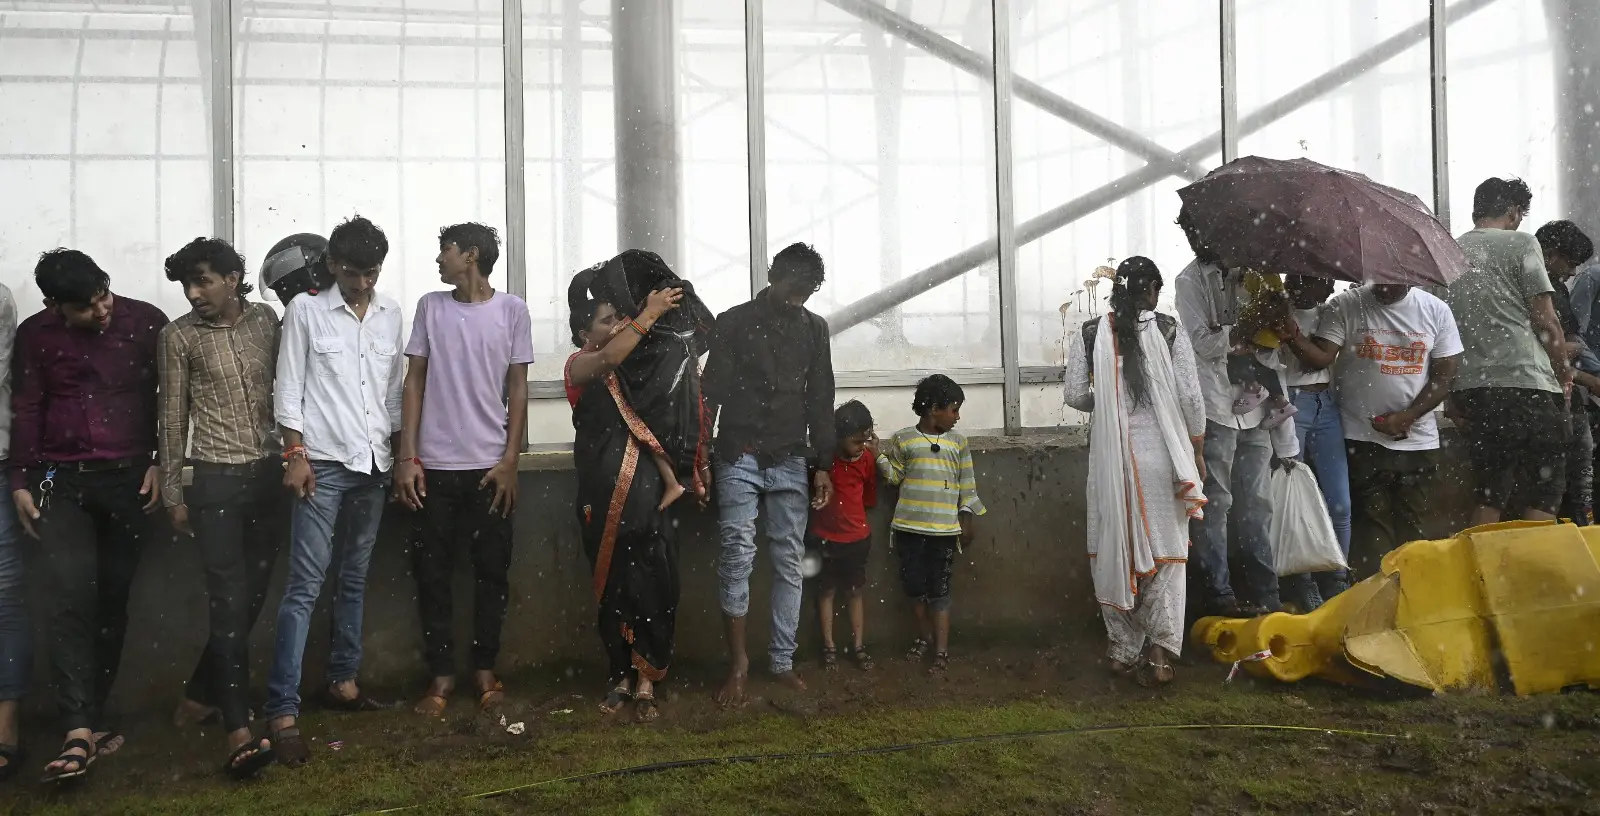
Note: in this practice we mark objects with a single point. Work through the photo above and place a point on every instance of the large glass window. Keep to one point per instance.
(1377, 121)
(1147, 70)
(1503, 107)
(391, 111)
(881, 155)
(103, 141)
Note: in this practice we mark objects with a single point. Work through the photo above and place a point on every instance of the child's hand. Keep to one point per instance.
(966, 530)
(872, 445)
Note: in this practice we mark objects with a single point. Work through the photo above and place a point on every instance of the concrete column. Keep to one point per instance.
(645, 70)
(1575, 50)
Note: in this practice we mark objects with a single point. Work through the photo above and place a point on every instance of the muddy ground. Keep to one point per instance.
(1415, 753)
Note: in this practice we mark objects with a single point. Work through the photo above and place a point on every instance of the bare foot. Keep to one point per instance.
(791, 680)
(190, 713)
(670, 495)
(731, 695)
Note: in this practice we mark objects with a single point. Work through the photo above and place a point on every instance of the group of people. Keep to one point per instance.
(1182, 446)
(301, 430)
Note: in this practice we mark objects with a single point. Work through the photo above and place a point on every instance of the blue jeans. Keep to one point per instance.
(16, 630)
(355, 502)
(1237, 464)
(784, 498)
(1321, 433)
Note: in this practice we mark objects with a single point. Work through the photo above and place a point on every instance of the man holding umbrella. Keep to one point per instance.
(1238, 451)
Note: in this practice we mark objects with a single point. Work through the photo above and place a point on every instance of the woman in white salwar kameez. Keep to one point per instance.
(1135, 370)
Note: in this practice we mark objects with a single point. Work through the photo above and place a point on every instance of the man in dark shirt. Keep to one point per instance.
(83, 476)
(770, 372)
(1566, 248)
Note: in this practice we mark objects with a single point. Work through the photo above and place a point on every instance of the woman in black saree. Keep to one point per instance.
(635, 389)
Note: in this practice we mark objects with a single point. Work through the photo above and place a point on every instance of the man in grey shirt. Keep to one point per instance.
(1513, 374)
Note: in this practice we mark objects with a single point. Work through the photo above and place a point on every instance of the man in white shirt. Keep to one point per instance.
(1396, 349)
(1239, 452)
(338, 398)
(16, 631)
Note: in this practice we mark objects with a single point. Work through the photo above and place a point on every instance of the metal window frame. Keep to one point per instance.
(1005, 215)
(1011, 375)
(1438, 25)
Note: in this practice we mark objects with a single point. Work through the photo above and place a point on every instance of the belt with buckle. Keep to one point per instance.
(103, 465)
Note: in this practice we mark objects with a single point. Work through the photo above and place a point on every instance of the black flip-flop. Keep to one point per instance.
(77, 766)
(14, 757)
(250, 766)
(289, 748)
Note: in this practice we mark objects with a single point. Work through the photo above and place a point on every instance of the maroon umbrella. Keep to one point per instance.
(1298, 217)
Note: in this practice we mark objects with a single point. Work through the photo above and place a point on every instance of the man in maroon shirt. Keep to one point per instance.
(83, 477)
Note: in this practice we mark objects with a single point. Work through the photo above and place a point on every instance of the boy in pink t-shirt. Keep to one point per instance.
(463, 421)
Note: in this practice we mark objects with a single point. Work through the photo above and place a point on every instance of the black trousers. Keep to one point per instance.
(454, 517)
(240, 516)
(92, 529)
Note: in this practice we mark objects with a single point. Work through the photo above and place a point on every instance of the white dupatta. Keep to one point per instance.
(1120, 542)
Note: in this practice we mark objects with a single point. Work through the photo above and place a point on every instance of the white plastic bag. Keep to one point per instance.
(1302, 534)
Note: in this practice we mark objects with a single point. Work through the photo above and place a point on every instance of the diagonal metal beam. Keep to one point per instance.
(1045, 223)
(1027, 90)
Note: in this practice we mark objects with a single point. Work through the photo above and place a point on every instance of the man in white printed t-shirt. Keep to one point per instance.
(1394, 351)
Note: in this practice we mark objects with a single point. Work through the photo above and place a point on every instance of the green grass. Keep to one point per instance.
(1463, 755)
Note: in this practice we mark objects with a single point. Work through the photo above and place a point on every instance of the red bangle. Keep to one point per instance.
(293, 451)
(413, 460)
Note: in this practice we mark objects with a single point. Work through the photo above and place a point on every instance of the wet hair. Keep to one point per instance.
(1185, 222)
(1134, 278)
(359, 243)
(1497, 195)
(472, 235)
(1564, 238)
(216, 253)
(798, 262)
(851, 418)
(582, 315)
(936, 391)
(69, 276)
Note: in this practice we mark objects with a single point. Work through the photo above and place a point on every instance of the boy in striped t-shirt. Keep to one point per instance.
(933, 517)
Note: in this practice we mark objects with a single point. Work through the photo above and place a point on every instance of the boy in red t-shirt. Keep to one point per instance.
(842, 528)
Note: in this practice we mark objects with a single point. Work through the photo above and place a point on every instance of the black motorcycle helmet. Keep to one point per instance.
(297, 264)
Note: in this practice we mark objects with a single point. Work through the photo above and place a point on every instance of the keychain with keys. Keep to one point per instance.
(46, 486)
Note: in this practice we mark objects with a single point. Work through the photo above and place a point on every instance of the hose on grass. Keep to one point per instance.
(657, 767)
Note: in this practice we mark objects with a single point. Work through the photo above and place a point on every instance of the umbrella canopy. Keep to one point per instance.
(1298, 217)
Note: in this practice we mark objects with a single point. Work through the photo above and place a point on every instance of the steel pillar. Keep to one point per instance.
(1440, 96)
(755, 124)
(1575, 45)
(214, 27)
(1006, 232)
(516, 242)
(644, 62)
(1037, 227)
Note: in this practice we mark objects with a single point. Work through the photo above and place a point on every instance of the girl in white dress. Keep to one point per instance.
(1135, 370)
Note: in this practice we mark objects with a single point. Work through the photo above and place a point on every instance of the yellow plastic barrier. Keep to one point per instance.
(1515, 604)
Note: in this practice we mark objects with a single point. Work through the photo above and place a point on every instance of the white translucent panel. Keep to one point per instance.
(1151, 67)
(887, 174)
(569, 176)
(392, 111)
(1378, 122)
(715, 249)
(103, 143)
(1503, 108)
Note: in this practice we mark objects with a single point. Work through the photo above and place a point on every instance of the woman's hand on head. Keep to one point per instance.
(662, 301)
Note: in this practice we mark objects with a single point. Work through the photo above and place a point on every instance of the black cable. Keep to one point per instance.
(657, 767)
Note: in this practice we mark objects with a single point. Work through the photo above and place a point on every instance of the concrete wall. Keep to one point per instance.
(1025, 578)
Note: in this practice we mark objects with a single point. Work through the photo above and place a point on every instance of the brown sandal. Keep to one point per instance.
(491, 698)
(431, 705)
